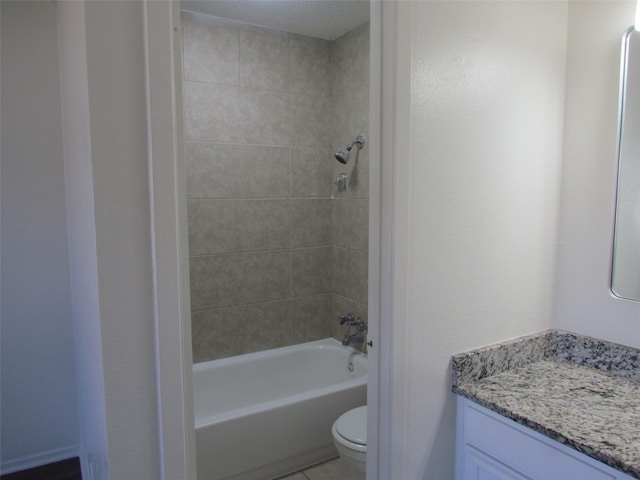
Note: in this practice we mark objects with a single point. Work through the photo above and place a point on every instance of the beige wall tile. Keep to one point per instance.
(341, 136)
(310, 65)
(350, 116)
(265, 171)
(217, 281)
(224, 332)
(211, 50)
(268, 325)
(264, 59)
(267, 276)
(358, 225)
(310, 222)
(224, 280)
(311, 271)
(265, 117)
(215, 334)
(312, 172)
(350, 61)
(263, 113)
(310, 117)
(340, 222)
(212, 112)
(358, 276)
(311, 318)
(339, 270)
(263, 225)
(213, 226)
(237, 171)
(358, 107)
(233, 226)
(213, 170)
(350, 111)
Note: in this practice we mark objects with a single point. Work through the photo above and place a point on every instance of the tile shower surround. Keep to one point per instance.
(276, 253)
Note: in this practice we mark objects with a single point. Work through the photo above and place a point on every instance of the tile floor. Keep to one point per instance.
(331, 470)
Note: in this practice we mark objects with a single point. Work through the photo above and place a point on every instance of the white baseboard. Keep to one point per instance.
(39, 459)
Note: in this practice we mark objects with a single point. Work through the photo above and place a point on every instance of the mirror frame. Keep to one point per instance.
(620, 288)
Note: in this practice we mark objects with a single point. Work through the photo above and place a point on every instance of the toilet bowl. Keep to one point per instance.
(350, 438)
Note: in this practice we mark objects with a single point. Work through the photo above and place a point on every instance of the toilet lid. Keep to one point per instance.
(352, 425)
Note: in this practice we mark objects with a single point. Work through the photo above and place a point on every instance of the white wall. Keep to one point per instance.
(487, 94)
(82, 238)
(117, 98)
(583, 303)
(104, 104)
(115, 61)
(39, 409)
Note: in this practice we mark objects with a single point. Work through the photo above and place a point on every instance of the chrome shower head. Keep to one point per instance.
(343, 155)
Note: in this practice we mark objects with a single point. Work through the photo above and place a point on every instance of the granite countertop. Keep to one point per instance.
(579, 391)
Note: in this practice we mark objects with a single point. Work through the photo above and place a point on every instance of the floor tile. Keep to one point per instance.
(295, 476)
(333, 470)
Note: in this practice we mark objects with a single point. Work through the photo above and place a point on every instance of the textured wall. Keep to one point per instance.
(72, 48)
(583, 302)
(106, 162)
(487, 98)
(39, 415)
(259, 126)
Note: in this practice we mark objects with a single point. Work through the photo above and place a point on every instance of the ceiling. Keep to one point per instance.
(327, 19)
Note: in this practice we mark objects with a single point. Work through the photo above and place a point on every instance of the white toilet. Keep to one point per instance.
(350, 438)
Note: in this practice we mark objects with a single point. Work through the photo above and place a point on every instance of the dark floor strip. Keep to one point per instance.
(63, 470)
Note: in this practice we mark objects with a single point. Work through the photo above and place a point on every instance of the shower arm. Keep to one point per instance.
(358, 142)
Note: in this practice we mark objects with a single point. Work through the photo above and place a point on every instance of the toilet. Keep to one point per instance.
(350, 438)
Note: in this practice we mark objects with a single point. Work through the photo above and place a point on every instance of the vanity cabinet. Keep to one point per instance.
(492, 447)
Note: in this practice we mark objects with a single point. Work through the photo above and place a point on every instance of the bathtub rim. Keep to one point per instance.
(328, 342)
(207, 420)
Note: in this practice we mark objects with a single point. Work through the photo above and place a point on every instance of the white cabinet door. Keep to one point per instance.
(479, 466)
(492, 447)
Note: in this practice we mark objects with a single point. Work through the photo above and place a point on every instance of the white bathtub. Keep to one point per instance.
(265, 414)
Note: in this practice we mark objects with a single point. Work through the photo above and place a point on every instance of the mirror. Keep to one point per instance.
(625, 273)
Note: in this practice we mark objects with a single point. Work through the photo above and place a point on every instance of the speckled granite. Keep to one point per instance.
(500, 357)
(594, 353)
(580, 391)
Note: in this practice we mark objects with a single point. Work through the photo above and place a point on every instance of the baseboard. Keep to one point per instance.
(39, 459)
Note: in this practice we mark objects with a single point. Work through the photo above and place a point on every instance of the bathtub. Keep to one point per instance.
(265, 414)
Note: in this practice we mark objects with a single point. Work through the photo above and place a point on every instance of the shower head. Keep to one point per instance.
(343, 155)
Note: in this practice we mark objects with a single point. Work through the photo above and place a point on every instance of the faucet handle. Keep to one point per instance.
(349, 318)
(354, 322)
